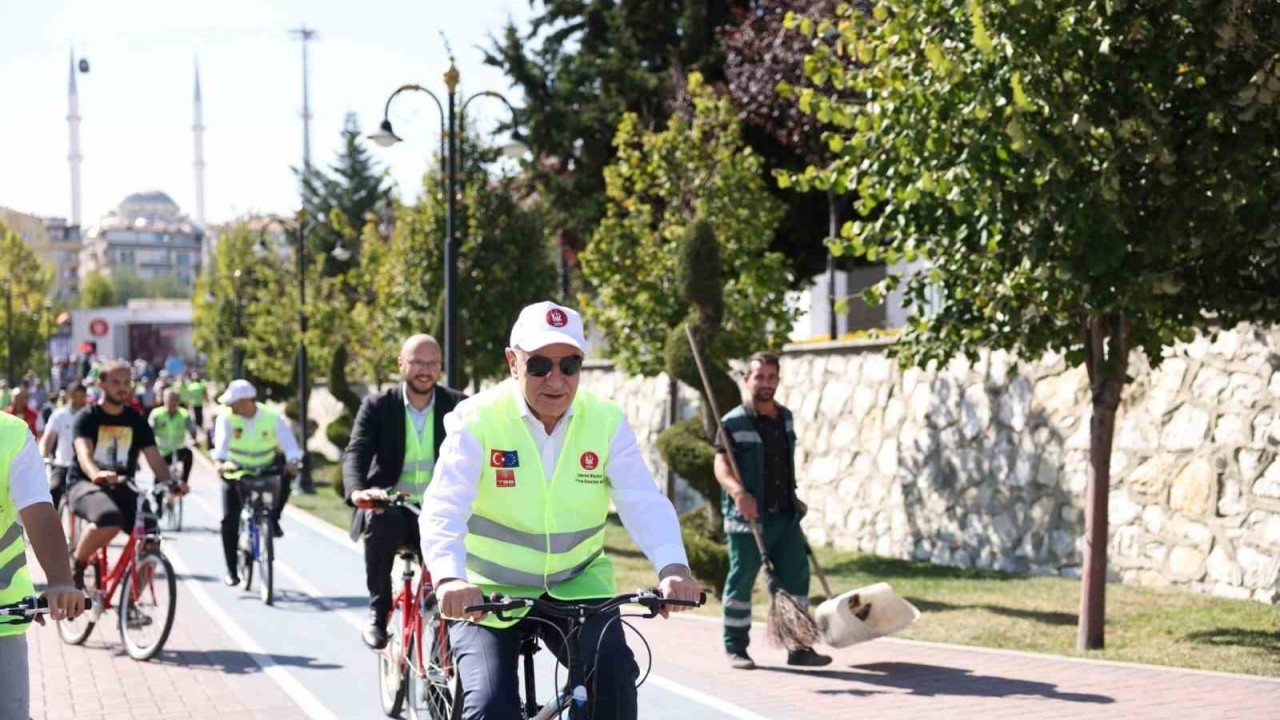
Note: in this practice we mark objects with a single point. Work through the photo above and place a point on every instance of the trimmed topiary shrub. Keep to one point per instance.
(708, 555)
(339, 431)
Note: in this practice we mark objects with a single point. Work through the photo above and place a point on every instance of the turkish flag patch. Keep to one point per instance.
(506, 478)
(504, 459)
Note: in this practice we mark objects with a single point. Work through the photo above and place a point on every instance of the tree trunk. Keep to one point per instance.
(1107, 361)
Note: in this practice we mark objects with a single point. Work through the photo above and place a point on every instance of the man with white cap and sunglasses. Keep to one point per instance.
(518, 506)
(246, 438)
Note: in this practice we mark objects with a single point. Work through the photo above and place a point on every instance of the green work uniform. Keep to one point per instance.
(528, 534)
(783, 538)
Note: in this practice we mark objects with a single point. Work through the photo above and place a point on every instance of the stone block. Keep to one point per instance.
(823, 470)
(1225, 344)
(1262, 423)
(1189, 532)
(1230, 430)
(1194, 489)
(835, 398)
(1231, 501)
(1274, 386)
(1187, 563)
(1121, 510)
(887, 459)
(975, 411)
(1153, 519)
(845, 434)
(876, 369)
(1126, 545)
(1222, 568)
(1268, 486)
(1166, 382)
(1245, 389)
(1230, 592)
(1208, 385)
(1014, 404)
(1137, 430)
(1186, 429)
(1261, 569)
(864, 398)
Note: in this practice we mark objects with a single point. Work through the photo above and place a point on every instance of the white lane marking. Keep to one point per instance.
(309, 703)
(709, 700)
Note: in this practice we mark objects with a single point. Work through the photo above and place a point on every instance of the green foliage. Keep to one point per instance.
(661, 182)
(129, 285)
(1067, 170)
(580, 67)
(27, 280)
(686, 447)
(338, 386)
(338, 431)
(98, 290)
(504, 263)
(705, 546)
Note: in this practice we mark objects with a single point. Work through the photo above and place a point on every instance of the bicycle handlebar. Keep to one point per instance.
(650, 599)
(33, 605)
(393, 500)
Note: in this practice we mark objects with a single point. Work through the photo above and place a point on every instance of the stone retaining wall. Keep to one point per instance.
(984, 465)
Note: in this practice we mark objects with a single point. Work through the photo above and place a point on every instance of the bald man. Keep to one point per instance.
(394, 444)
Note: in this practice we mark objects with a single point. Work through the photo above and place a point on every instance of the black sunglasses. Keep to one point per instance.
(540, 366)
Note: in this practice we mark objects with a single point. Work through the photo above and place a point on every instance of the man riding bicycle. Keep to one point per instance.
(109, 437)
(172, 425)
(395, 441)
(518, 505)
(25, 505)
(58, 440)
(246, 439)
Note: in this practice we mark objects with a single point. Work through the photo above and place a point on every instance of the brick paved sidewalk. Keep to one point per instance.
(888, 679)
(201, 674)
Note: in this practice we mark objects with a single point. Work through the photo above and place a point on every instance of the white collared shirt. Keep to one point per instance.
(284, 437)
(446, 508)
(419, 417)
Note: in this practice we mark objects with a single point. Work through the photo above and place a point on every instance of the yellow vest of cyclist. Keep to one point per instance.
(172, 425)
(517, 504)
(248, 438)
(25, 503)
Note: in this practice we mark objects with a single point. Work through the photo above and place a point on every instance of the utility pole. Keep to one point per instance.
(305, 34)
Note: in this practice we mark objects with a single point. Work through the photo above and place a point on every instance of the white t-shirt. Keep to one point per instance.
(62, 422)
(27, 482)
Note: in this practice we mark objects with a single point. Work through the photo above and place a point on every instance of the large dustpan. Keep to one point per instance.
(839, 619)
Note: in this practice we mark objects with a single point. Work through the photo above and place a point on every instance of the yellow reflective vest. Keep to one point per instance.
(254, 451)
(171, 430)
(529, 534)
(15, 581)
(419, 456)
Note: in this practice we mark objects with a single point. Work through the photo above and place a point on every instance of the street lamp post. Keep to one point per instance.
(449, 166)
(48, 344)
(8, 328)
(237, 353)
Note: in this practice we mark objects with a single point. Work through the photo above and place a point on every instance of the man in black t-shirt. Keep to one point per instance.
(109, 436)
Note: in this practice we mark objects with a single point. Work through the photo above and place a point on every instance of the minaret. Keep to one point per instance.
(197, 130)
(73, 124)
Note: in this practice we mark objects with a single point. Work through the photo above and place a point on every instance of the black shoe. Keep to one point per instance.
(77, 574)
(806, 657)
(276, 530)
(231, 579)
(741, 661)
(375, 633)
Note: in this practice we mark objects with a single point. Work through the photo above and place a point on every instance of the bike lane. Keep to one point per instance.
(309, 641)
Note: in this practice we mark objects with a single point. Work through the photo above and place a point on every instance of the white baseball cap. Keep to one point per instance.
(547, 323)
(238, 390)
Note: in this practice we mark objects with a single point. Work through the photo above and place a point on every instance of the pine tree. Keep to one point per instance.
(339, 200)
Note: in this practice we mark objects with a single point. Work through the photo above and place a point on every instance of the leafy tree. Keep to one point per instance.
(1081, 178)
(130, 285)
(662, 181)
(580, 66)
(503, 265)
(98, 290)
(26, 281)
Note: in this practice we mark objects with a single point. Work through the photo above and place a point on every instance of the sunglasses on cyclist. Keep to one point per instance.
(540, 366)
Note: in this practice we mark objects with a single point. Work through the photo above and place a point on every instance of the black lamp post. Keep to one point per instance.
(386, 137)
(8, 327)
(48, 345)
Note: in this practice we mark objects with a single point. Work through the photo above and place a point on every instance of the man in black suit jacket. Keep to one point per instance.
(374, 465)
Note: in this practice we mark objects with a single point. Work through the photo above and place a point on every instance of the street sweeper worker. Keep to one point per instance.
(762, 437)
(518, 505)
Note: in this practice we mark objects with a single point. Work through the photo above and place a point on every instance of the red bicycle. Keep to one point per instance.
(148, 590)
(416, 664)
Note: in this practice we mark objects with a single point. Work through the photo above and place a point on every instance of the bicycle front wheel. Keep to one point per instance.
(391, 665)
(434, 688)
(148, 600)
(266, 557)
(245, 555)
(75, 632)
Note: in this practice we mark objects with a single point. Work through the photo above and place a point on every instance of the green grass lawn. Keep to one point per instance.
(326, 504)
(998, 610)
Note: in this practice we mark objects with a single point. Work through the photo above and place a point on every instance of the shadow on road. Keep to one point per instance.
(1047, 617)
(934, 680)
(1241, 637)
(234, 662)
(294, 601)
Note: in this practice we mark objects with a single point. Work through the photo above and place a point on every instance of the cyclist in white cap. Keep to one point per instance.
(518, 505)
(245, 440)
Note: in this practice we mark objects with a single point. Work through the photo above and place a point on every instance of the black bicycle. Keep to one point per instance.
(573, 696)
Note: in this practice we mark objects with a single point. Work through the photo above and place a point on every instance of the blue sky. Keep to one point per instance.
(136, 100)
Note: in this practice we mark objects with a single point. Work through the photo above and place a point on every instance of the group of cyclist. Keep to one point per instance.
(514, 485)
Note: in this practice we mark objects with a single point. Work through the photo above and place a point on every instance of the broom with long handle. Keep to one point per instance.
(789, 624)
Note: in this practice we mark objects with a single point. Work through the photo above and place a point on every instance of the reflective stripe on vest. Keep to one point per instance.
(171, 430)
(253, 449)
(528, 534)
(419, 456)
(15, 580)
